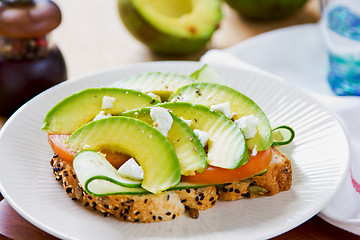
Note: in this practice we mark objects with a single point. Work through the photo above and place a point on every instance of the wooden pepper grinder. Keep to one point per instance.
(29, 62)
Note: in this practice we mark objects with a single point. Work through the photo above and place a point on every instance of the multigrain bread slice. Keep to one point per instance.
(171, 204)
(277, 178)
(135, 208)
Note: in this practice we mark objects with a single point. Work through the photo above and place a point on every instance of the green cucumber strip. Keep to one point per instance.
(90, 165)
(100, 178)
(261, 173)
(289, 140)
(207, 74)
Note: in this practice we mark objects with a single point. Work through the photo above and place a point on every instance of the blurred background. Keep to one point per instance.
(92, 36)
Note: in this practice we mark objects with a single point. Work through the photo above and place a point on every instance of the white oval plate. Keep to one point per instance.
(319, 157)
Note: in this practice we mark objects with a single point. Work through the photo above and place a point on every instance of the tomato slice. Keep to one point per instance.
(57, 143)
(216, 175)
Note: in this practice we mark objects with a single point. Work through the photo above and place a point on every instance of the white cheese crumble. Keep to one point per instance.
(162, 118)
(223, 108)
(254, 151)
(188, 122)
(131, 169)
(101, 115)
(154, 96)
(107, 102)
(202, 136)
(248, 125)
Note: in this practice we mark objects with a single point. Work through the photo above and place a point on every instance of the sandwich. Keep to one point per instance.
(154, 146)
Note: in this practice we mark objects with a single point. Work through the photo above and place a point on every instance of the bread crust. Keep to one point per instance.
(277, 178)
(171, 204)
(135, 208)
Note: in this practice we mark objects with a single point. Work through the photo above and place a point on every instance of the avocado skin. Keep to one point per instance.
(156, 40)
(266, 9)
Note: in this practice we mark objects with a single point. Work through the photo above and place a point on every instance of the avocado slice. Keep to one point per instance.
(226, 147)
(171, 27)
(82, 107)
(211, 94)
(191, 154)
(141, 141)
(160, 83)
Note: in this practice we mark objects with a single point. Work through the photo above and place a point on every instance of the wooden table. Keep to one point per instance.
(92, 37)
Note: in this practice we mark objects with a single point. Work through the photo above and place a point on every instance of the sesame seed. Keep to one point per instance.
(237, 190)
(231, 189)
(213, 202)
(94, 204)
(154, 217)
(106, 206)
(168, 197)
(173, 216)
(146, 200)
(136, 220)
(187, 207)
(197, 198)
(188, 190)
(124, 217)
(116, 208)
(69, 190)
(211, 199)
(199, 203)
(184, 200)
(86, 204)
(160, 218)
(137, 213)
(168, 213)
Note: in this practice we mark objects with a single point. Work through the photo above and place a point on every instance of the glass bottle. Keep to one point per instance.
(29, 62)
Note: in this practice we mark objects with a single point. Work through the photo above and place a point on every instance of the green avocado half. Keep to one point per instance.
(171, 26)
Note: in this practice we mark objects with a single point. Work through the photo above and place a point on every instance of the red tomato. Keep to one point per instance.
(57, 143)
(216, 175)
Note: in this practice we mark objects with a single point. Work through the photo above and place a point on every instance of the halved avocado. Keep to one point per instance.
(143, 142)
(226, 147)
(171, 26)
(162, 84)
(211, 94)
(191, 154)
(82, 107)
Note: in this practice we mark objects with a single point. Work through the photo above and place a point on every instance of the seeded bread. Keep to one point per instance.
(136, 208)
(169, 205)
(277, 178)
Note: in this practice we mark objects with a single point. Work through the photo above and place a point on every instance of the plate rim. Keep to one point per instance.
(282, 230)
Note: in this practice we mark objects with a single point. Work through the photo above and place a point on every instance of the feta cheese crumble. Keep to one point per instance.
(188, 122)
(254, 151)
(202, 136)
(223, 108)
(107, 102)
(101, 115)
(248, 125)
(131, 169)
(162, 118)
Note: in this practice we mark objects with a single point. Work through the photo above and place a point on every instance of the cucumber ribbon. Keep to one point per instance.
(284, 142)
(98, 177)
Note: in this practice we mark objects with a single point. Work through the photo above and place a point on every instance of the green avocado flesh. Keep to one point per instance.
(211, 94)
(187, 146)
(99, 178)
(226, 146)
(141, 141)
(160, 83)
(82, 107)
(171, 26)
